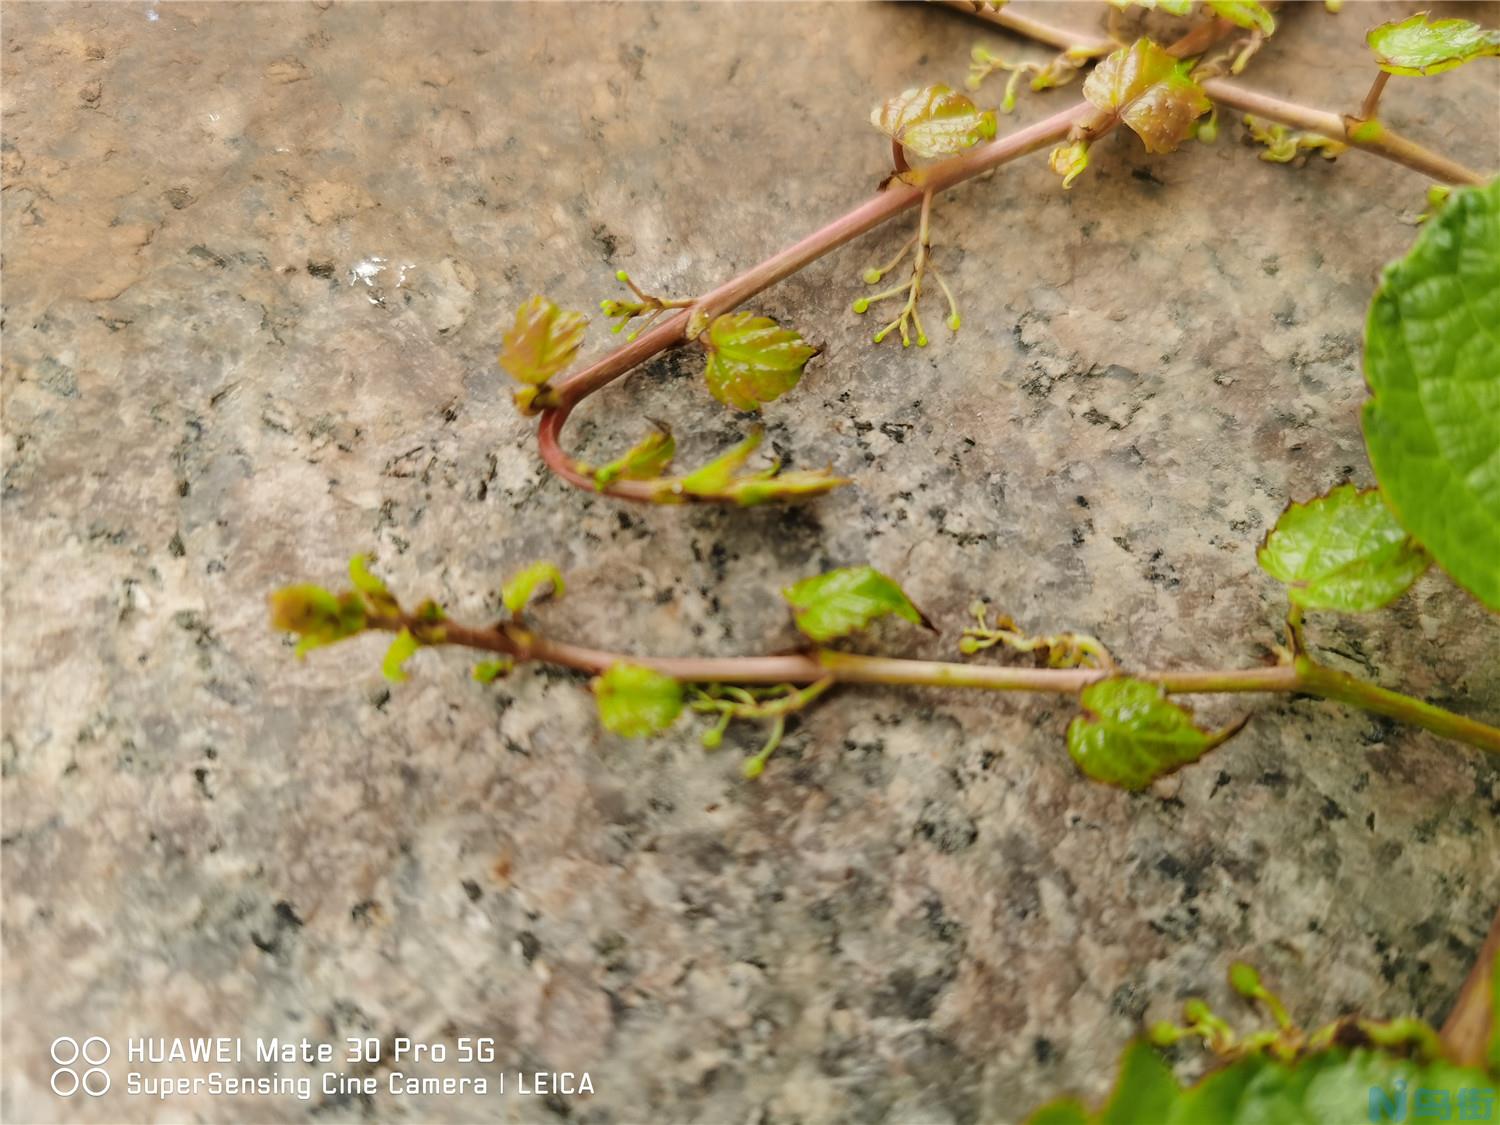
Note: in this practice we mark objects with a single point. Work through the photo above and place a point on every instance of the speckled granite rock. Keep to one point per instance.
(257, 258)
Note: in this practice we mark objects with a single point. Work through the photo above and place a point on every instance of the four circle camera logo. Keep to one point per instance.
(93, 1053)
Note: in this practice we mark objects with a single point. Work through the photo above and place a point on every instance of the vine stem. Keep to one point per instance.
(1302, 676)
(557, 401)
(1371, 135)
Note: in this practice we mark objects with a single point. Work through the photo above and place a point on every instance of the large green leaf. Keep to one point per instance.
(1414, 46)
(933, 121)
(636, 701)
(1342, 551)
(1150, 91)
(1132, 733)
(542, 342)
(1432, 359)
(839, 602)
(1330, 1087)
(753, 360)
(1144, 1090)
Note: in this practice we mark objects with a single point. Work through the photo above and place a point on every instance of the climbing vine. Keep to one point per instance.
(1431, 425)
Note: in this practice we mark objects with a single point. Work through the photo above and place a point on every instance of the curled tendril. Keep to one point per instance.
(1064, 650)
(908, 321)
(730, 702)
(646, 305)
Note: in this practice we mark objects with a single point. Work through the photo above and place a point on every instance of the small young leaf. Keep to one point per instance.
(1150, 91)
(316, 616)
(839, 602)
(933, 121)
(376, 593)
(488, 671)
(522, 589)
(1416, 47)
(1432, 360)
(543, 342)
(1342, 551)
(752, 360)
(1132, 734)
(747, 492)
(1248, 14)
(400, 651)
(648, 458)
(712, 478)
(635, 701)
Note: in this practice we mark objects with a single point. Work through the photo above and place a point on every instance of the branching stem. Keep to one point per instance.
(827, 667)
(558, 400)
(1372, 99)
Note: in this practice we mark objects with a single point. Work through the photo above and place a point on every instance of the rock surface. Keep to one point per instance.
(257, 262)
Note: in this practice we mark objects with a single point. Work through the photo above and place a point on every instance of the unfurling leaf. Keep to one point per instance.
(933, 121)
(712, 478)
(543, 342)
(522, 589)
(721, 480)
(1432, 360)
(316, 616)
(1343, 551)
(647, 458)
(1416, 47)
(839, 602)
(1069, 161)
(1132, 733)
(636, 701)
(1150, 91)
(1248, 14)
(400, 651)
(753, 360)
(488, 671)
(377, 595)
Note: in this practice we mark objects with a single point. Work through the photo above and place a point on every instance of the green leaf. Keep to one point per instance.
(648, 458)
(1245, 13)
(371, 586)
(543, 342)
(712, 478)
(636, 701)
(522, 589)
(401, 650)
(1417, 47)
(1342, 551)
(1132, 734)
(933, 121)
(1144, 1089)
(488, 671)
(747, 492)
(752, 360)
(1150, 91)
(839, 602)
(1432, 360)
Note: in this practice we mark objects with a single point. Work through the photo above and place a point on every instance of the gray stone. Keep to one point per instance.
(256, 277)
